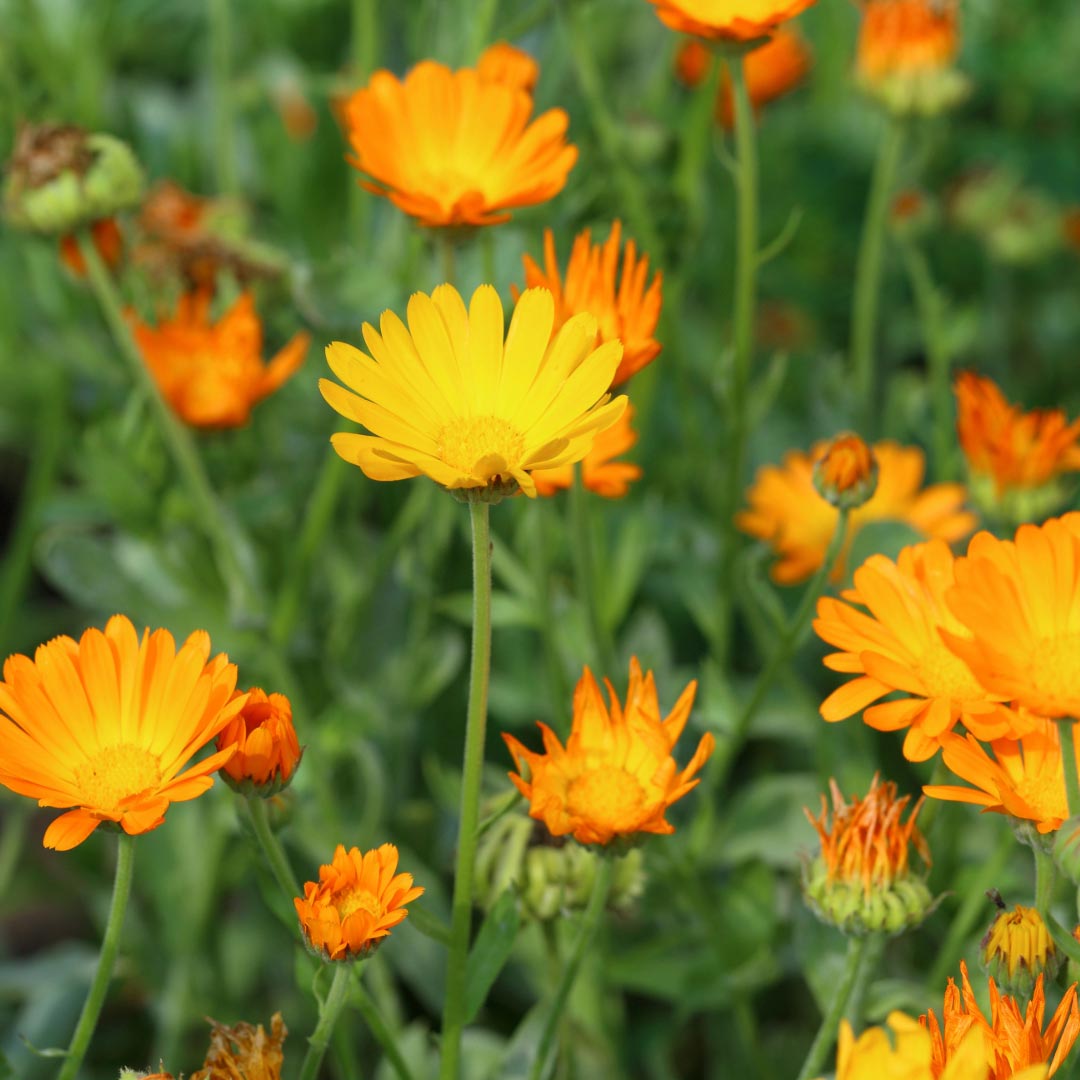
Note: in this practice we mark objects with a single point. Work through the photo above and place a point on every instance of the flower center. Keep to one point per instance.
(947, 676)
(116, 773)
(481, 446)
(607, 797)
(1045, 794)
(1055, 667)
(357, 899)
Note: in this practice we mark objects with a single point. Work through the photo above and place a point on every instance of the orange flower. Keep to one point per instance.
(508, 65)
(906, 37)
(899, 647)
(267, 750)
(787, 512)
(1018, 601)
(454, 148)
(846, 473)
(106, 724)
(771, 71)
(108, 239)
(628, 314)
(599, 471)
(358, 900)
(616, 777)
(212, 373)
(1012, 1042)
(728, 20)
(244, 1052)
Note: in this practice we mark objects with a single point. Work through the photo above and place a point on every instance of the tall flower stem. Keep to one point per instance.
(1045, 880)
(363, 50)
(271, 846)
(590, 921)
(585, 572)
(220, 19)
(329, 1011)
(110, 943)
(1067, 732)
(868, 275)
(453, 1018)
(826, 1035)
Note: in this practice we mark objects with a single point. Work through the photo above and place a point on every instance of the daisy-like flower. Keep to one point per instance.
(212, 373)
(244, 1051)
(506, 64)
(448, 399)
(615, 778)
(454, 147)
(107, 723)
(627, 313)
(267, 750)
(1018, 949)
(358, 900)
(898, 646)
(787, 512)
(730, 21)
(108, 239)
(600, 472)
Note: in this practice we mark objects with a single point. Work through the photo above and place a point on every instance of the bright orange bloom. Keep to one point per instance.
(599, 471)
(508, 65)
(728, 20)
(244, 1052)
(898, 647)
(905, 37)
(771, 70)
(358, 900)
(108, 239)
(1018, 600)
(212, 374)
(787, 512)
(1024, 778)
(454, 148)
(267, 750)
(1012, 1042)
(615, 778)
(628, 314)
(106, 724)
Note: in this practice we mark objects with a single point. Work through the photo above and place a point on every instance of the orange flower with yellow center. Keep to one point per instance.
(627, 313)
(728, 20)
(615, 778)
(506, 64)
(898, 647)
(600, 472)
(107, 238)
(106, 724)
(787, 512)
(212, 374)
(1018, 601)
(358, 900)
(453, 147)
(266, 748)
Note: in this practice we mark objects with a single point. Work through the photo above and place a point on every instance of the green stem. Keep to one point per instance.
(1045, 879)
(453, 1019)
(871, 959)
(110, 943)
(271, 846)
(699, 123)
(868, 275)
(590, 921)
(1067, 732)
(585, 573)
(449, 257)
(378, 1027)
(329, 1011)
(826, 1035)
(219, 17)
(364, 45)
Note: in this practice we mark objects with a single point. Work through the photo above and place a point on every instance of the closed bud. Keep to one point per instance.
(846, 474)
(1017, 949)
(267, 751)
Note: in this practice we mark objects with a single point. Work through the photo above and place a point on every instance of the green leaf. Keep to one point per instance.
(628, 566)
(766, 820)
(490, 952)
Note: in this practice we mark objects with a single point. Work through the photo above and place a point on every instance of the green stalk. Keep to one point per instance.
(826, 1035)
(453, 1018)
(364, 47)
(271, 846)
(110, 943)
(378, 1027)
(1067, 731)
(1045, 879)
(220, 20)
(329, 1011)
(585, 573)
(449, 257)
(868, 275)
(590, 921)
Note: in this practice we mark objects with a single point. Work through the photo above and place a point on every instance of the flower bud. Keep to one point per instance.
(1017, 949)
(267, 751)
(846, 475)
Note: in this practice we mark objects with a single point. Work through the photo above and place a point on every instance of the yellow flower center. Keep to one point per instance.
(607, 797)
(1055, 666)
(356, 899)
(485, 446)
(116, 773)
(947, 676)
(1045, 795)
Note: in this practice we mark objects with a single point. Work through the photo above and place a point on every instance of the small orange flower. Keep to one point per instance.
(615, 778)
(771, 70)
(358, 900)
(906, 36)
(453, 148)
(106, 724)
(510, 66)
(267, 750)
(628, 314)
(600, 473)
(728, 20)
(787, 512)
(244, 1052)
(846, 473)
(212, 374)
(108, 239)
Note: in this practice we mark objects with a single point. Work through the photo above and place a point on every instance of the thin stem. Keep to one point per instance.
(329, 1011)
(871, 959)
(1067, 732)
(695, 135)
(378, 1027)
(453, 1019)
(449, 257)
(220, 19)
(826, 1035)
(110, 943)
(585, 573)
(868, 275)
(590, 921)
(1045, 879)
(363, 50)
(271, 846)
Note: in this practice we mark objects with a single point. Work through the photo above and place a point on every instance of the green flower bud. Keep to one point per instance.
(919, 93)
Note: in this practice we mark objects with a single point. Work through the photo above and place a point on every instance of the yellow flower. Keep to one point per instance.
(728, 20)
(106, 724)
(615, 778)
(599, 472)
(267, 750)
(447, 398)
(244, 1052)
(1018, 948)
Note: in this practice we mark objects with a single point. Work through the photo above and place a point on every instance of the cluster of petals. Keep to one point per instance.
(267, 750)
(903, 37)
(616, 776)
(601, 473)
(244, 1051)
(106, 725)
(728, 20)
(506, 64)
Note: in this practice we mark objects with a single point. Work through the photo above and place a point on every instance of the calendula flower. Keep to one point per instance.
(447, 398)
(106, 724)
(627, 313)
(1012, 1043)
(898, 646)
(615, 778)
(729, 21)
(244, 1052)
(1018, 949)
(357, 901)
(600, 472)
(788, 513)
(455, 148)
(846, 473)
(212, 373)
(506, 64)
(1017, 600)
(107, 238)
(267, 751)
